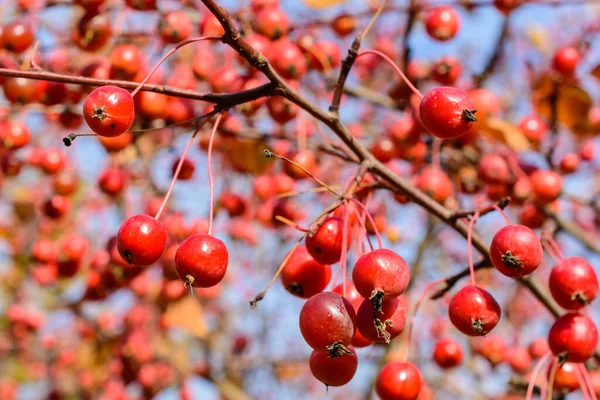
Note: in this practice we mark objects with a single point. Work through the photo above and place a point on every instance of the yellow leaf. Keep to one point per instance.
(188, 314)
(506, 133)
(538, 36)
(322, 3)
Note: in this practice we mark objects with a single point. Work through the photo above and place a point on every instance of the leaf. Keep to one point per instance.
(247, 155)
(538, 36)
(322, 3)
(572, 107)
(596, 72)
(505, 132)
(188, 314)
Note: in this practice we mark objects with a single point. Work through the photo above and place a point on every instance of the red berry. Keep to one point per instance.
(380, 273)
(519, 359)
(533, 127)
(435, 183)
(175, 27)
(141, 240)
(109, 110)
(569, 163)
(327, 319)
(93, 31)
(587, 151)
(442, 23)
(125, 62)
(565, 379)
(447, 112)
(17, 36)
(325, 245)
(507, 6)
(288, 60)
(516, 251)
(356, 300)
(271, 22)
(399, 381)
(493, 348)
(566, 60)
(447, 353)
(494, 169)
(303, 276)
(384, 149)
(333, 371)
(474, 311)
(201, 260)
(573, 337)
(573, 283)
(187, 169)
(384, 325)
(446, 71)
(538, 348)
(306, 159)
(546, 186)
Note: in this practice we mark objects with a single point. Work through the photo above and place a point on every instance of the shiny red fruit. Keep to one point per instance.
(141, 240)
(380, 272)
(546, 186)
(399, 381)
(447, 353)
(333, 371)
(573, 337)
(303, 276)
(325, 245)
(325, 319)
(573, 283)
(201, 260)
(381, 326)
(516, 251)
(435, 183)
(447, 112)
(493, 168)
(356, 300)
(442, 23)
(109, 110)
(533, 127)
(566, 60)
(474, 311)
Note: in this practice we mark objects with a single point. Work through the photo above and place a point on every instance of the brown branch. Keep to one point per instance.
(496, 55)
(410, 21)
(502, 203)
(454, 279)
(572, 228)
(225, 100)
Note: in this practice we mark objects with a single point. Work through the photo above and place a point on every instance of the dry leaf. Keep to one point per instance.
(187, 314)
(573, 104)
(539, 38)
(505, 132)
(322, 3)
(247, 155)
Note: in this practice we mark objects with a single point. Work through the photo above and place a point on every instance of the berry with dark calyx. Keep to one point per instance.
(380, 275)
(141, 240)
(569, 163)
(446, 71)
(93, 31)
(573, 337)
(573, 283)
(201, 260)
(474, 311)
(325, 244)
(327, 322)
(17, 36)
(565, 379)
(333, 371)
(271, 22)
(399, 380)
(447, 353)
(174, 27)
(381, 326)
(516, 251)
(109, 110)
(447, 112)
(303, 276)
(442, 23)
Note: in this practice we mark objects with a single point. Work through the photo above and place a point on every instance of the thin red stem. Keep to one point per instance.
(501, 211)
(470, 248)
(178, 169)
(396, 68)
(551, 379)
(534, 374)
(339, 270)
(361, 221)
(435, 152)
(377, 235)
(588, 381)
(547, 238)
(344, 259)
(169, 54)
(211, 181)
(582, 383)
(414, 315)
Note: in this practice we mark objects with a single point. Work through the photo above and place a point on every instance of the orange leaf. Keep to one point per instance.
(187, 314)
(505, 132)
(322, 3)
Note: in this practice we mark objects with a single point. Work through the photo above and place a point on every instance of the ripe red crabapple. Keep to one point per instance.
(109, 110)
(516, 251)
(447, 112)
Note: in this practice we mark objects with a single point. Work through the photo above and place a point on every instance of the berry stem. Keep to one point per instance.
(470, 248)
(291, 223)
(361, 220)
(508, 221)
(582, 382)
(414, 314)
(368, 214)
(341, 266)
(261, 295)
(552, 247)
(587, 381)
(211, 181)
(178, 169)
(555, 365)
(534, 375)
(396, 68)
(169, 54)
(435, 152)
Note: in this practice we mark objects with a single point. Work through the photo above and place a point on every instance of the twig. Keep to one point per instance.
(502, 203)
(454, 279)
(574, 230)
(496, 55)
